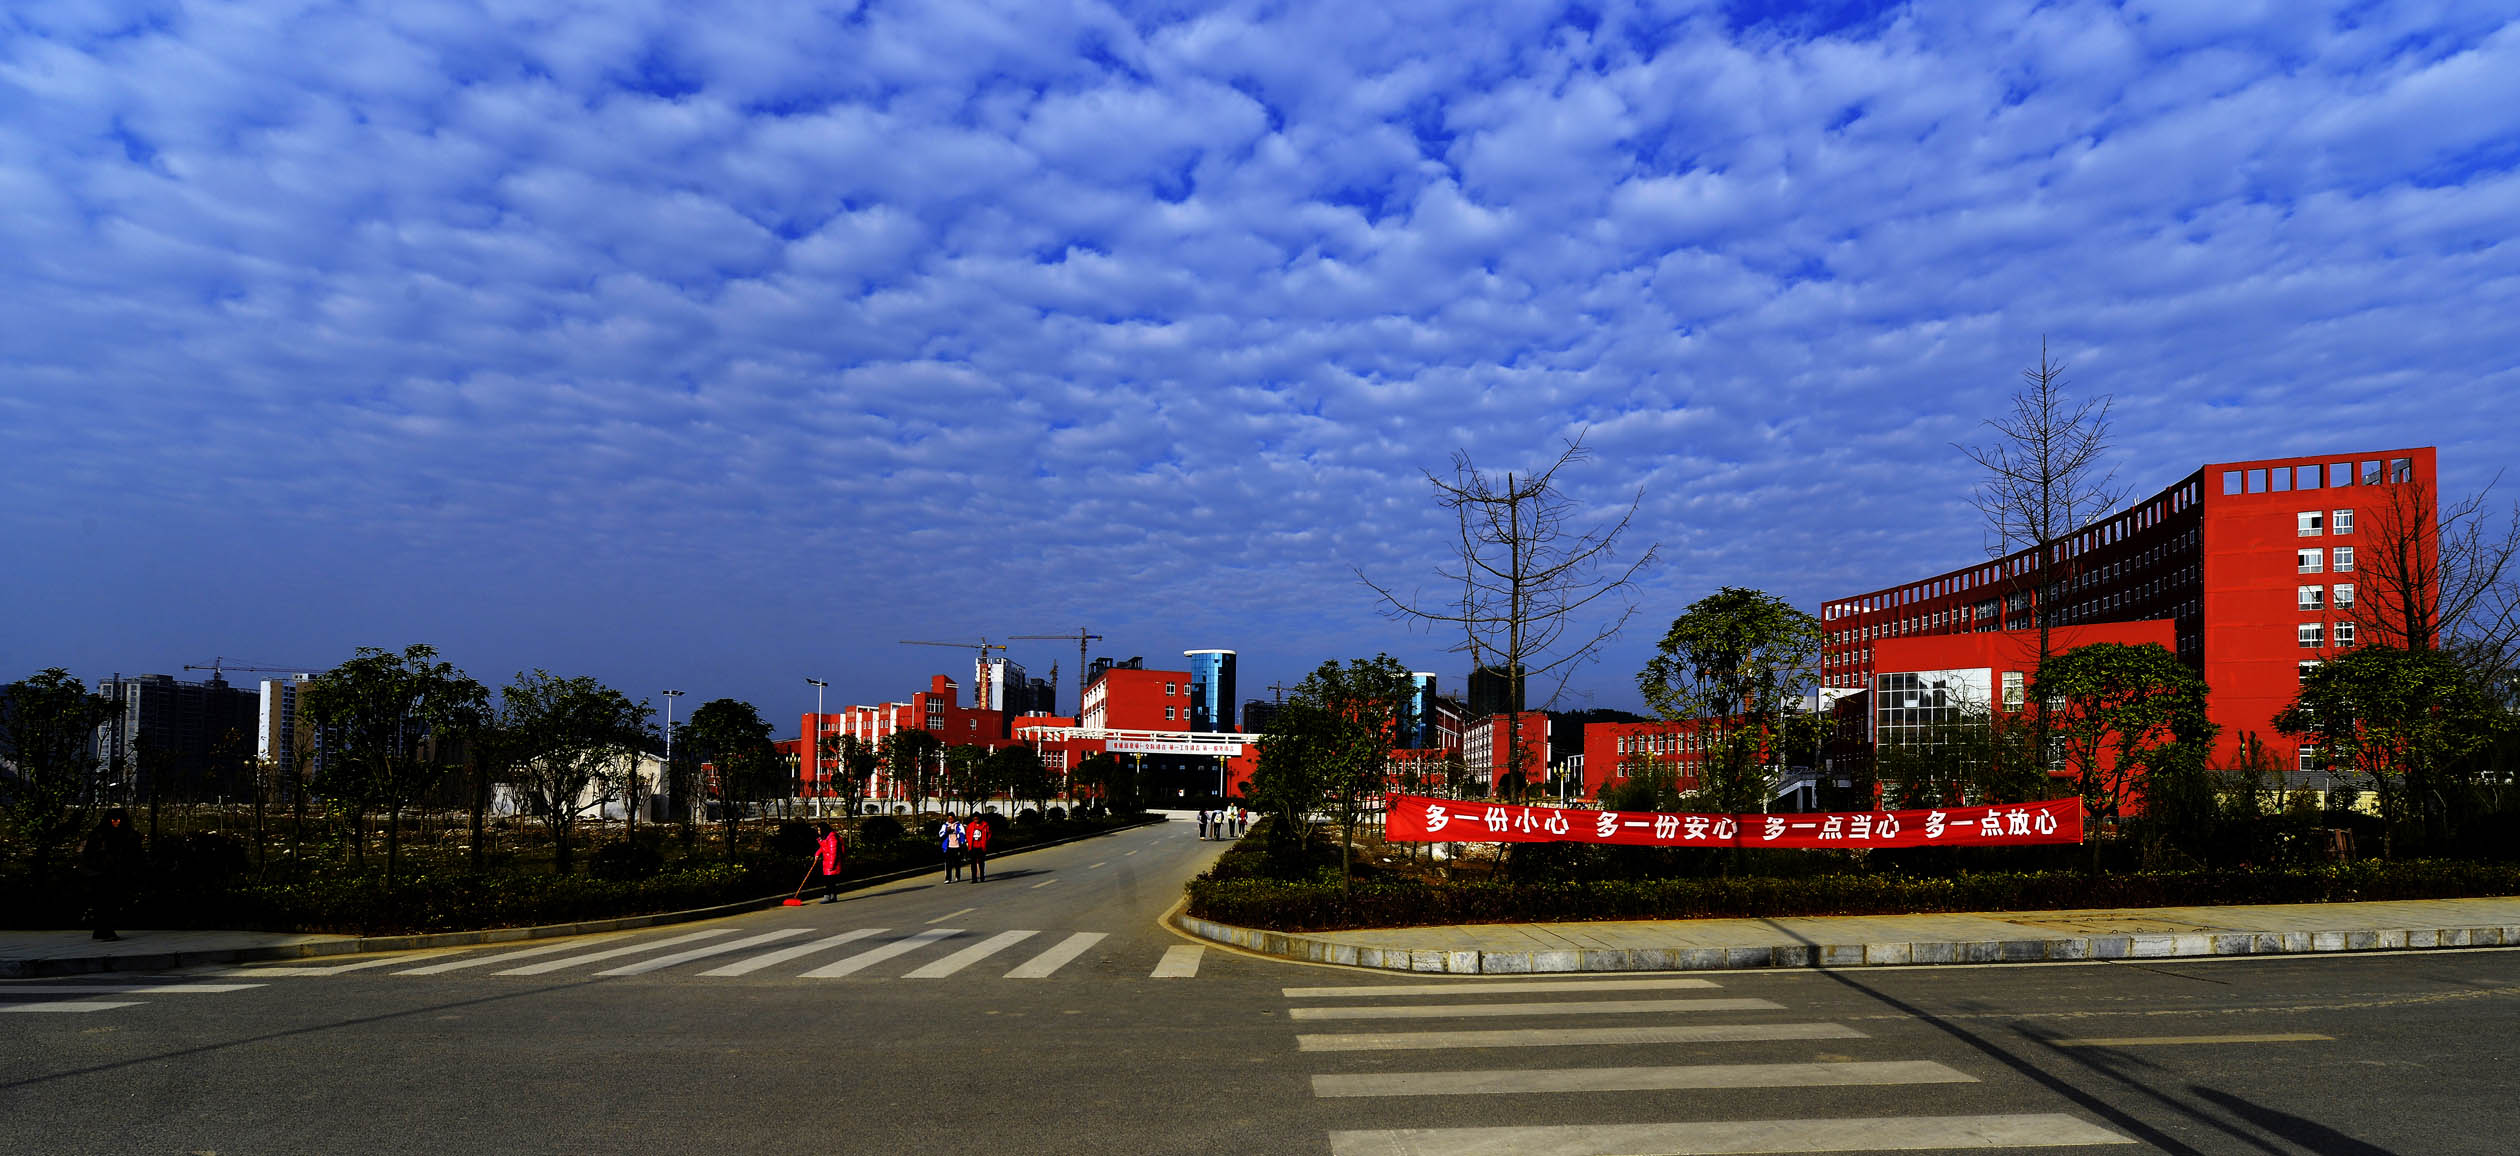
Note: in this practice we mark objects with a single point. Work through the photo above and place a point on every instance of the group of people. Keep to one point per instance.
(1227, 823)
(966, 845)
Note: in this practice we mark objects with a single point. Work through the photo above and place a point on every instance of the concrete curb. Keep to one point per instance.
(169, 960)
(2090, 947)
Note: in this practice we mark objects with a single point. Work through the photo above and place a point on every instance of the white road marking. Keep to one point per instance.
(1043, 883)
(1873, 1134)
(121, 989)
(551, 965)
(2157, 1041)
(507, 956)
(951, 915)
(1089, 868)
(784, 954)
(1126, 854)
(648, 965)
(1659, 1079)
(100, 1005)
(1476, 987)
(855, 963)
(1181, 961)
(971, 955)
(1604, 1007)
(1040, 966)
(1575, 1037)
(332, 969)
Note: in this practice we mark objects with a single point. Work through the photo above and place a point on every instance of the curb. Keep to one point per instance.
(2091, 947)
(169, 960)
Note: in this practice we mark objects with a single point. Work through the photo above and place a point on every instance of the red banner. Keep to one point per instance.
(1412, 819)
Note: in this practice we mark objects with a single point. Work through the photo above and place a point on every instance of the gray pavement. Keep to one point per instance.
(1875, 940)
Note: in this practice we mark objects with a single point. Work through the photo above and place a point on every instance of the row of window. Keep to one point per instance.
(2316, 597)
(2312, 523)
(2331, 475)
(2314, 635)
(2309, 561)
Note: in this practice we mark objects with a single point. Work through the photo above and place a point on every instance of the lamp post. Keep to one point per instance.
(813, 742)
(670, 696)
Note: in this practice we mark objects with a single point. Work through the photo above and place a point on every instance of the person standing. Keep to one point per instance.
(1203, 824)
(949, 839)
(831, 854)
(976, 847)
(111, 861)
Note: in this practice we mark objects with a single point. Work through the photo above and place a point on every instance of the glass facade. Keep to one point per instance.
(1908, 705)
(1211, 689)
(1419, 728)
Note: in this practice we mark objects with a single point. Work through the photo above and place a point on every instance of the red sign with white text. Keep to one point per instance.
(1412, 819)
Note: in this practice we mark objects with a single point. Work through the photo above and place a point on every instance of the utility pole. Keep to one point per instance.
(1082, 636)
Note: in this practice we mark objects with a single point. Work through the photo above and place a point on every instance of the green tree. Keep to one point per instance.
(856, 759)
(911, 756)
(1329, 749)
(385, 713)
(1103, 773)
(1983, 756)
(572, 734)
(2114, 713)
(2411, 722)
(730, 736)
(47, 775)
(1016, 769)
(1738, 662)
(966, 774)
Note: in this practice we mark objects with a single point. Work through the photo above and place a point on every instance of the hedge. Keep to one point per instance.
(1319, 905)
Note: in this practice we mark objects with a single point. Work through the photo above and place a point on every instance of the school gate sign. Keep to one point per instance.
(1412, 819)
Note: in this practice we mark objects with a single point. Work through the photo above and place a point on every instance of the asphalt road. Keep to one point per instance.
(914, 1018)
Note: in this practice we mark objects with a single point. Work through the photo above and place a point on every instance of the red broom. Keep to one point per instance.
(795, 900)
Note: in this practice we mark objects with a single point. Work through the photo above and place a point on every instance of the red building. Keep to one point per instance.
(1485, 745)
(2251, 564)
(1616, 751)
(937, 710)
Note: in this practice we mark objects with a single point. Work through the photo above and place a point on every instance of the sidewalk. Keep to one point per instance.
(1861, 940)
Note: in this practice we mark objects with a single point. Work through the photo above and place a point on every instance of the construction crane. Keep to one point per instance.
(219, 666)
(979, 669)
(1082, 636)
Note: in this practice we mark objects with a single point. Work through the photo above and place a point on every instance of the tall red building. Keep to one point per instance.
(2251, 565)
(937, 710)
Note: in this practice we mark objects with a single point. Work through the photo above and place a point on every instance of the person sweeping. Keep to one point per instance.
(830, 855)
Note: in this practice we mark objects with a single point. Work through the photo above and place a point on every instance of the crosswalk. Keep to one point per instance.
(864, 953)
(1693, 1086)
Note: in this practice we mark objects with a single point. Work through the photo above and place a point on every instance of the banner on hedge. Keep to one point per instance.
(1412, 819)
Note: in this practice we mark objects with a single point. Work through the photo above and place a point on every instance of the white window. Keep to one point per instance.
(1168, 688)
(2014, 695)
(2344, 522)
(1168, 714)
(2308, 561)
(2344, 559)
(2311, 635)
(2312, 597)
(2302, 670)
(2310, 523)
(2344, 634)
(2310, 759)
(2344, 595)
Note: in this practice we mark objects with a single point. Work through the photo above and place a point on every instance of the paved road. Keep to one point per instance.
(1046, 1012)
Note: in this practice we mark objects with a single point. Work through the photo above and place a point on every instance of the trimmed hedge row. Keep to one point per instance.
(1318, 905)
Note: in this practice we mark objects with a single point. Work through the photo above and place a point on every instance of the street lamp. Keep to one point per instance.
(813, 743)
(670, 696)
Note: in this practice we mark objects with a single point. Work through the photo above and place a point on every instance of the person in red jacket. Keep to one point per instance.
(830, 854)
(976, 848)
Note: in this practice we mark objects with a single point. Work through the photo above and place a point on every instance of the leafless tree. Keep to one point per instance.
(2437, 576)
(1525, 578)
(2046, 477)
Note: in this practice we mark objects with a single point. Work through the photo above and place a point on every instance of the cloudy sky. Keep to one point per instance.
(718, 346)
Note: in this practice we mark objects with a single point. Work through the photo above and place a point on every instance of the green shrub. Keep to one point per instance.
(623, 862)
(1055, 815)
(880, 830)
(794, 839)
(1028, 818)
(1318, 904)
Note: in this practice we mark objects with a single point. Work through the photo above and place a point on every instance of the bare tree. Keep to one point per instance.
(1524, 575)
(2045, 479)
(2437, 576)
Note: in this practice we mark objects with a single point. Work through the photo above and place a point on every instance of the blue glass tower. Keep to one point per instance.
(1211, 689)
(1419, 729)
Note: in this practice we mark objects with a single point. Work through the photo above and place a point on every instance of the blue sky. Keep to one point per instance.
(717, 346)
